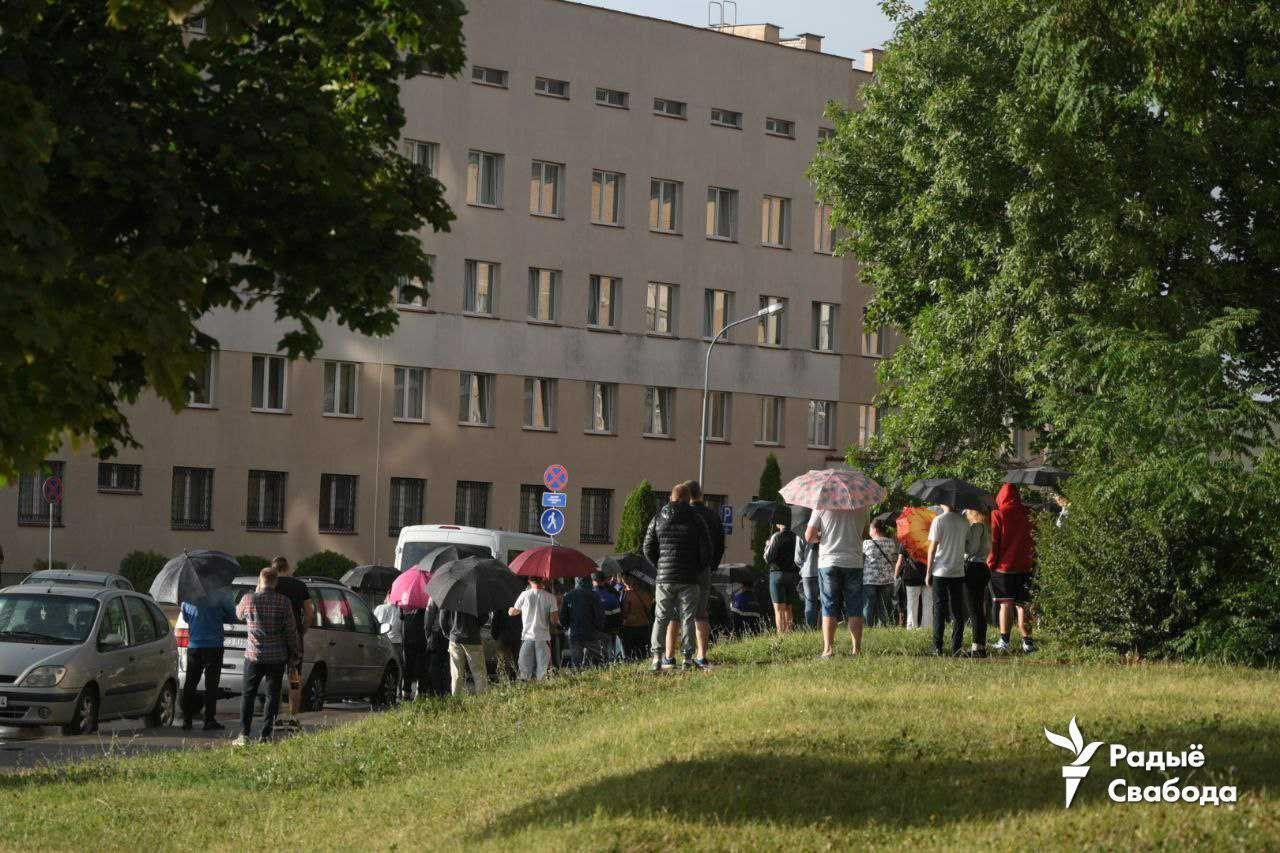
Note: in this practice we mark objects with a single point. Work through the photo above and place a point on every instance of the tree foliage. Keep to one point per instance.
(770, 484)
(150, 177)
(637, 512)
(324, 564)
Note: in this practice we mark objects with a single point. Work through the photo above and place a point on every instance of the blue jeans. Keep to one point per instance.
(841, 592)
(255, 674)
(878, 604)
(812, 601)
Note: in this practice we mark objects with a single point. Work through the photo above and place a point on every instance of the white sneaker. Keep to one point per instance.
(1001, 646)
(241, 740)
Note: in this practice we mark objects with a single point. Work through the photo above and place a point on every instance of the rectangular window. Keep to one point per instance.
(611, 98)
(824, 241)
(475, 399)
(480, 287)
(868, 424)
(264, 508)
(658, 411)
(205, 381)
(484, 179)
(422, 154)
(539, 403)
(408, 500)
(597, 506)
(822, 414)
(602, 406)
(606, 197)
(660, 308)
(410, 399)
(664, 205)
(775, 221)
(670, 108)
(722, 213)
(550, 87)
(544, 293)
(489, 76)
(192, 503)
(32, 506)
(718, 311)
(825, 133)
(340, 381)
(338, 503)
(115, 477)
(603, 305)
(824, 327)
(873, 343)
(545, 188)
(531, 508)
(719, 409)
(268, 393)
(410, 291)
(771, 328)
(726, 118)
(780, 127)
(771, 416)
(471, 506)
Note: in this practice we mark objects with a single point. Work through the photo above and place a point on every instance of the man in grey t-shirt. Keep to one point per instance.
(838, 534)
(945, 576)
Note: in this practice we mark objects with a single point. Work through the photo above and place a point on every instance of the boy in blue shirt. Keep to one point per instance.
(205, 617)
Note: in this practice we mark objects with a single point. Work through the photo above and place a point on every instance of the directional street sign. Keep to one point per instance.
(53, 490)
(552, 521)
(556, 477)
(556, 499)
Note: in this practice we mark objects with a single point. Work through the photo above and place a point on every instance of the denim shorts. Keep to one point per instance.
(841, 592)
(782, 586)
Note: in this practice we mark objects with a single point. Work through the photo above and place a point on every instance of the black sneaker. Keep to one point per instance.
(1027, 645)
(211, 726)
(702, 663)
(186, 725)
(978, 653)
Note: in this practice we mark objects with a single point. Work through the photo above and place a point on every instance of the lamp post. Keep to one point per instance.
(767, 311)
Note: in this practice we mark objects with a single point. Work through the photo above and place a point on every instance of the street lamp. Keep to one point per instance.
(767, 311)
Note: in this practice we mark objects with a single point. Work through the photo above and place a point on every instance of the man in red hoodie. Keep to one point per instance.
(1013, 556)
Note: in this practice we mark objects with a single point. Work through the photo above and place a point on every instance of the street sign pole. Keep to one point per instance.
(50, 563)
(53, 495)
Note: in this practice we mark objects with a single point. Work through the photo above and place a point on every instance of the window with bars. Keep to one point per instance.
(265, 505)
(32, 507)
(664, 205)
(546, 186)
(471, 506)
(597, 506)
(670, 108)
(611, 98)
(780, 127)
(479, 295)
(192, 503)
(825, 133)
(531, 508)
(551, 87)
(338, 503)
(602, 404)
(407, 504)
(606, 197)
(484, 178)
(117, 477)
(726, 118)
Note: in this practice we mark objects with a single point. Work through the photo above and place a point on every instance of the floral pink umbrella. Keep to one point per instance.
(833, 489)
(409, 591)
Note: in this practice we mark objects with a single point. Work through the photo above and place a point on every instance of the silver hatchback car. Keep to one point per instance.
(72, 656)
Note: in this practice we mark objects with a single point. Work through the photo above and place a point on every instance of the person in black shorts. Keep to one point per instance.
(304, 612)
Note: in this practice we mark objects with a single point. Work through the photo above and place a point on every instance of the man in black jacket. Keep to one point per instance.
(712, 519)
(679, 545)
(466, 646)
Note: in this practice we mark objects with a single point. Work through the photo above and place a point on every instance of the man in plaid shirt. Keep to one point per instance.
(273, 643)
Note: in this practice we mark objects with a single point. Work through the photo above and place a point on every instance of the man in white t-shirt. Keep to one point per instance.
(538, 611)
(838, 534)
(947, 535)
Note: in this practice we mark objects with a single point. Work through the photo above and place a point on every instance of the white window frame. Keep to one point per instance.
(267, 387)
(345, 374)
(596, 284)
(604, 97)
(771, 329)
(423, 154)
(719, 408)
(546, 177)
(401, 383)
(543, 86)
(772, 409)
(479, 164)
(670, 108)
(830, 324)
(735, 117)
(486, 75)
(654, 399)
(599, 180)
(709, 323)
(470, 285)
(656, 308)
(538, 278)
(718, 200)
(602, 408)
(540, 404)
(824, 237)
(828, 419)
(668, 193)
(479, 392)
(415, 302)
(209, 382)
(780, 127)
(775, 222)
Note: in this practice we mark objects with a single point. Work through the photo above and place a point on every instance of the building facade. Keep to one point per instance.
(624, 187)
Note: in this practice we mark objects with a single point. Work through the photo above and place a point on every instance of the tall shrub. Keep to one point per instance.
(252, 563)
(325, 564)
(141, 567)
(770, 484)
(637, 512)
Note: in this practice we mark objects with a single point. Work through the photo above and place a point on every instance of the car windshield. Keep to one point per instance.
(414, 552)
(40, 618)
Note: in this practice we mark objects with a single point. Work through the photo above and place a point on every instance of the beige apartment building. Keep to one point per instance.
(624, 186)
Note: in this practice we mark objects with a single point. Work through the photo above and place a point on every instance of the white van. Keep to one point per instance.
(504, 545)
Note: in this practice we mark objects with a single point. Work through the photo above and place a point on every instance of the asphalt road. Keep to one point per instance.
(26, 748)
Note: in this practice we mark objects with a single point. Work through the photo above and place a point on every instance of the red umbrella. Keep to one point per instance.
(552, 561)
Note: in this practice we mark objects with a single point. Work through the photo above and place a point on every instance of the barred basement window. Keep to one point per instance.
(32, 507)
(550, 87)
(115, 477)
(338, 503)
(489, 76)
(471, 506)
(596, 506)
(192, 502)
(531, 508)
(408, 496)
(264, 509)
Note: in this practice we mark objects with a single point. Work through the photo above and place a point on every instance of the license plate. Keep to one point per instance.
(4, 701)
(234, 642)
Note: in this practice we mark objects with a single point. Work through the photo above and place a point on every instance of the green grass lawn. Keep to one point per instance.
(773, 749)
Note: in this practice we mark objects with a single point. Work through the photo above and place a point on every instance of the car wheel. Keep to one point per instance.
(313, 690)
(161, 716)
(388, 690)
(85, 719)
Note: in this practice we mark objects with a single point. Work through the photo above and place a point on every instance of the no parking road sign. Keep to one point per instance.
(53, 490)
(552, 521)
(556, 477)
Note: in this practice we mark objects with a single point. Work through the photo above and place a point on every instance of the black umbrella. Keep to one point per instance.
(634, 565)
(192, 575)
(1040, 475)
(955, 493)
(475, 585)
(364, 578)
(767, 513)
(440, 557)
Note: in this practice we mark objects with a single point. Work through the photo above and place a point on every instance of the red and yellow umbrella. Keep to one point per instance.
(913, 531)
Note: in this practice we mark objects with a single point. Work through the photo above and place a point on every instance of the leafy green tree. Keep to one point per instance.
(324, 564)
(770, 484)
(637, 512)
(151, 177)
(252, 563)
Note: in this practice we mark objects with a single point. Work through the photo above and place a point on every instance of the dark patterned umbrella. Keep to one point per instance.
(1039, 475)
(630, 564)
(475, 585)
(192, 575)
(955, 493)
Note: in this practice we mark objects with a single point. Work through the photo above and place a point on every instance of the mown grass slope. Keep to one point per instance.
(773, 749)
